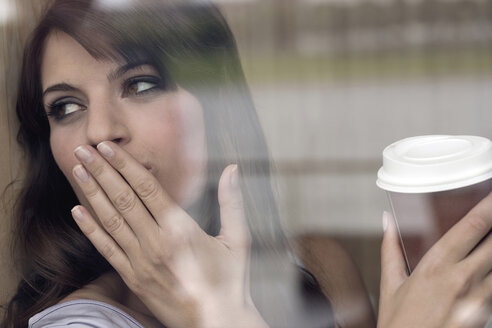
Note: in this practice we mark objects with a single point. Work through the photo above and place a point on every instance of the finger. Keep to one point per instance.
(104, 244)
(464, 236)
(234, 228)
(479, 260)
(393, 265)
(124, 202)
(145, 185)
(110, 219)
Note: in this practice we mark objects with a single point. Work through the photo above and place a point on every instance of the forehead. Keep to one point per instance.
(64, 59)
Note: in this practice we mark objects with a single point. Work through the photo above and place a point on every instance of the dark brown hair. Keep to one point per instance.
(191, 46)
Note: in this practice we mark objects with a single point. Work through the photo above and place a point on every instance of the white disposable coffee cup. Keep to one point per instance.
(432, 182)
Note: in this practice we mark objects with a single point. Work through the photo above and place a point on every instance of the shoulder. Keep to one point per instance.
(338, 278)
(83, 313)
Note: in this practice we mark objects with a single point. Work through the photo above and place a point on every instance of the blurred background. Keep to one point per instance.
(334, 82)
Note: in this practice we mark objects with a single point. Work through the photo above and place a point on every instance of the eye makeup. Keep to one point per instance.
(64, 107)
(134, 81)
(142, 85)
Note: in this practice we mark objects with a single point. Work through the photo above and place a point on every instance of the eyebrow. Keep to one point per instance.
(59, 87)
(116, 74)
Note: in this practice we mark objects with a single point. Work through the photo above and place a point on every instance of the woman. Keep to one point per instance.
(160, 87)
(142, 116)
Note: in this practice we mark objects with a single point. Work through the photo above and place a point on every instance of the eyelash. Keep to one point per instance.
(157, 82)
(56, 108)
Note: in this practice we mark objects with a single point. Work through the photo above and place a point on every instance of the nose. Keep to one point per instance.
(106, 122)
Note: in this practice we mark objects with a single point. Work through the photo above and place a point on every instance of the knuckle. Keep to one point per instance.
(125, 201)
(236, 203)
(97, 171)
(478, 223)
(91, 191)
(433, 267)
(177, 234)
(160, 255)
(147, 189)
(113, 224)
(160, 258)
(118, 163)
(88, 230)
(108, 250)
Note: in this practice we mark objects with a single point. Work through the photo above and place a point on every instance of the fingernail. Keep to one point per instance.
(83, 155)
(105, 150)
(234, 176)
(77, 213)
(81, 173)
(386, 217)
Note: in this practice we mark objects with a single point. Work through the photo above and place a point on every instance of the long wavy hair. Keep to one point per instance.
(191, 46)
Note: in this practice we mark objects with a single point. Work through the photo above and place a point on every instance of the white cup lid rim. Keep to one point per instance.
(435, 163)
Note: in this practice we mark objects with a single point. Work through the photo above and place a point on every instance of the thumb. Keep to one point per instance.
(234, 228)
(393, 265)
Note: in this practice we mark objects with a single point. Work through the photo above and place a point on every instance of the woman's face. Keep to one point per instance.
(89, 101)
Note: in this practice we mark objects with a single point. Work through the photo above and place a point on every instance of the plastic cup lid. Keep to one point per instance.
(435, 163)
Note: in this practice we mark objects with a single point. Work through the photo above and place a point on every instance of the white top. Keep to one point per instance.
(435, 163)
(83, 314)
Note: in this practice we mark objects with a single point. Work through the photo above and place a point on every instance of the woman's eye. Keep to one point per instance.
(60, 110)
(136, 87)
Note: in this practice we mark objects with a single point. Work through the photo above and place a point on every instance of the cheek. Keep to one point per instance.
(62, 146)
(178, 139)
